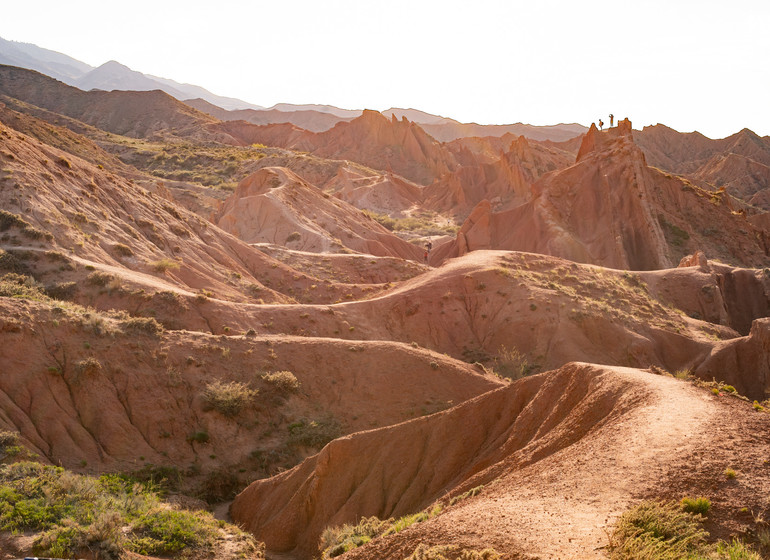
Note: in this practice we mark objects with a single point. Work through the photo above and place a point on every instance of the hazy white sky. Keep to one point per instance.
(690, 64)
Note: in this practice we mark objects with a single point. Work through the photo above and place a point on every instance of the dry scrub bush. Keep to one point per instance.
(655, 530)
(451, 552)
(143, 324)
(122, 250)
(283, 381)
(228, 398)
(512, 364)
(89, 366)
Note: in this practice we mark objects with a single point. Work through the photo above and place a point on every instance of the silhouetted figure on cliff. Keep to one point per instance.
(612, 119)
(601, 124)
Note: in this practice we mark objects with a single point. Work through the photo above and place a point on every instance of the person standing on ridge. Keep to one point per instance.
(612, 118)
(601, 124)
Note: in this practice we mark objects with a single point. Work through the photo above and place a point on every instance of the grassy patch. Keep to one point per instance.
(338, 540)
(74, 514)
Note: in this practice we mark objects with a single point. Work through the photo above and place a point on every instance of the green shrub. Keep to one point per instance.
(294, 236)
(228, 398)
(313, 433)
(200, 436)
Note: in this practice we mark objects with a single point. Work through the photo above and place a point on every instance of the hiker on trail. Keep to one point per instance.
(601, 124)
(426, 256)
(429, 246)
(612, 118)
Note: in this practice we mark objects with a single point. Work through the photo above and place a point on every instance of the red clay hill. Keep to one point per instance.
(394, 145)
(611, 208)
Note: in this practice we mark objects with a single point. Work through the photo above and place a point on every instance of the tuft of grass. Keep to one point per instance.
(162, 265)
(730, 473)
(228, 398)
(465, 495)
(696, 505)
(338, 540)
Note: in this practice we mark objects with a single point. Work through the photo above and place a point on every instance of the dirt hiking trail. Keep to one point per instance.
(560, 456)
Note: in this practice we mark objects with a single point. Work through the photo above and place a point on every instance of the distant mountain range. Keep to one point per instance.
(109, 76)
(317, 118)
